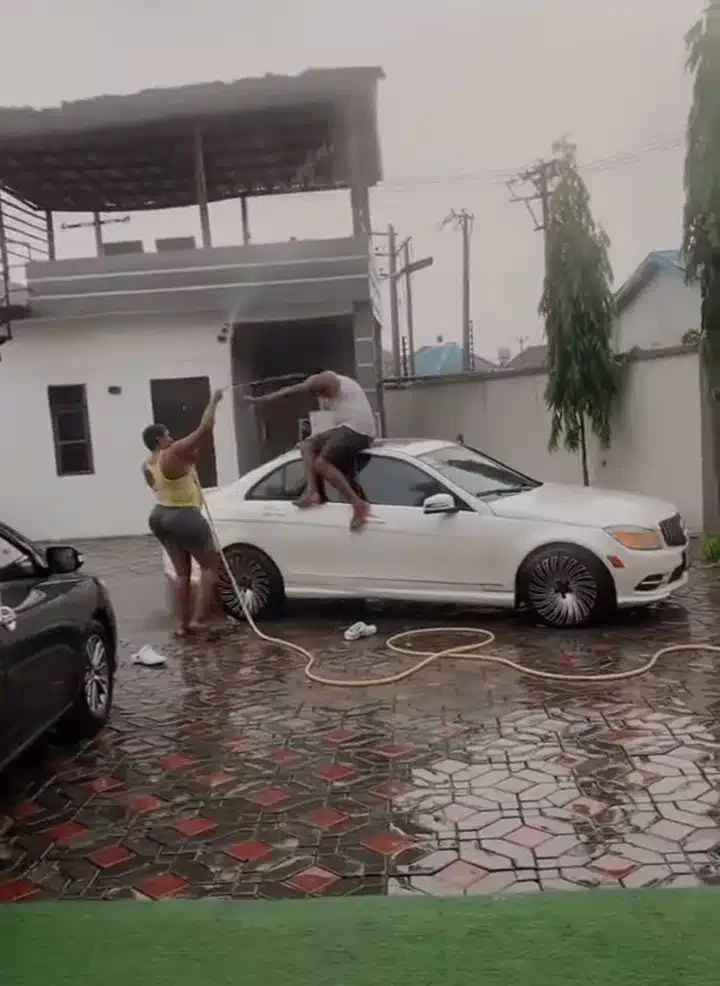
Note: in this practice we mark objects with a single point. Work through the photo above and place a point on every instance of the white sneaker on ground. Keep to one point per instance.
(148, 657)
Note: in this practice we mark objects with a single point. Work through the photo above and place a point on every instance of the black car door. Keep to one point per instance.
(39, 642)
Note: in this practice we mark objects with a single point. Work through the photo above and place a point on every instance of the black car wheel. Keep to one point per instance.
(255, 574)
(93, 704)
(566, 586)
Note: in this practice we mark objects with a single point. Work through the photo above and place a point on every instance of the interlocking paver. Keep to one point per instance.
(228, 775)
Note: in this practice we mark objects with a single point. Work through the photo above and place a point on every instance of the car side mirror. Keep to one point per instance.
(63, 560)
(440, 503)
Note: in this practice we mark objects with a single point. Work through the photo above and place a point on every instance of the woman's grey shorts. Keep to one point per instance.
(182, 529)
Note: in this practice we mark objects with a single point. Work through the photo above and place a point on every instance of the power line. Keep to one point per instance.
(500, 177)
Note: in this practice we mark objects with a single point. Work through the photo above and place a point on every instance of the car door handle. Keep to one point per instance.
(273, 512)
(8, 619)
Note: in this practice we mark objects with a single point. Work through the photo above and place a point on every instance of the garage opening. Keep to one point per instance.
(266, 350)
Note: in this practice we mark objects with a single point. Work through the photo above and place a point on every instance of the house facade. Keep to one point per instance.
(104, 345)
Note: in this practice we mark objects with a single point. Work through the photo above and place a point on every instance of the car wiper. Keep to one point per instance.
(507, 491)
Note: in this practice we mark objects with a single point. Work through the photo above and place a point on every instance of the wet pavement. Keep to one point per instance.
(228, 775)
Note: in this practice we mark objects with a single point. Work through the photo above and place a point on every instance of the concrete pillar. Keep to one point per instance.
(201, 189)
(366, 339)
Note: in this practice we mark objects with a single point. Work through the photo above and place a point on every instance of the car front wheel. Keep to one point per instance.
(567, 587)
(257, 575)
(93, 704)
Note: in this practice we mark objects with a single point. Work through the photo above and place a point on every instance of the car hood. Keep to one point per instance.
(585, 506)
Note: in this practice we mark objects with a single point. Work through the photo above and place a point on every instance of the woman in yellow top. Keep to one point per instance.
(176, 519)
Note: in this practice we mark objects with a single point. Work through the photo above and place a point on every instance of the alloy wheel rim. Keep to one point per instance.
(97, 676)
(250, 575)
(562, 590)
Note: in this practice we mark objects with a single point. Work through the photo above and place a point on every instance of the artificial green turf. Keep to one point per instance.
(602, 938)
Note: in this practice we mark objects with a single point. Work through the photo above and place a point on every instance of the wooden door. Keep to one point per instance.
(178, 403)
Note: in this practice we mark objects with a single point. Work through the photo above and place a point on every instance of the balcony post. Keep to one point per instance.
(201, 189)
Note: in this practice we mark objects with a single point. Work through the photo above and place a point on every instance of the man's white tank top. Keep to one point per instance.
(352, 408)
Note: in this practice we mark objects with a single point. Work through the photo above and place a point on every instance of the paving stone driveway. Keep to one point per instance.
(227, 774)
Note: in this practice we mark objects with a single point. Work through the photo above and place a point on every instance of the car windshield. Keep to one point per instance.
(476, 473)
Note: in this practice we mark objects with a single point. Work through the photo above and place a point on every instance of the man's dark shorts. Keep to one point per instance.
(341, 447)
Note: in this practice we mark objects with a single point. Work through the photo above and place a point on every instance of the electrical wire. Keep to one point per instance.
(501, 177)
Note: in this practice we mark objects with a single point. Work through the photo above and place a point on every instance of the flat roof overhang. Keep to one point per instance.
(267, 136)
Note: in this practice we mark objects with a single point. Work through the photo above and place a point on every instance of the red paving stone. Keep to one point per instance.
(25, 810)
(335, 772)
(614, 866)
(144, 803)
(283, 756)
(17, 890)
(175, 761)
(528, 837)
(249, 851)
(325, 818)
(194, 826)
(269, 797)
(312, 881)
(340, 735)
(387, 843)
(217, 779)
(110, 857)
(163, 885)
(512, 787)
(65, 832)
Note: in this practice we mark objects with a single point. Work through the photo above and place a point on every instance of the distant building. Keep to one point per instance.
(442, 359)
(531, 358)
(655, 307)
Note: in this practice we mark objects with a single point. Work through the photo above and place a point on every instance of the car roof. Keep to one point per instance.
(409, 446)
(412, 447)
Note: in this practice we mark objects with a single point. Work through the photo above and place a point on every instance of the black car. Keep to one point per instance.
(58, 645)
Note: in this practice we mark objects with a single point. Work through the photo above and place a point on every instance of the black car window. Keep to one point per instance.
(287, 482)
(391, 483)
(14, 562)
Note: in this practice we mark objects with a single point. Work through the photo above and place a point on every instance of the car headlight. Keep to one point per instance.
(636, 538)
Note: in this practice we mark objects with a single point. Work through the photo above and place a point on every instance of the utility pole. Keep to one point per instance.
(409, 304)
(465, 221)
(394, 314)
(539, 179)
(97, 224)
(394, 274)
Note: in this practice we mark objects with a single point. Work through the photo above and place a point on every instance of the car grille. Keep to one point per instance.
(673, 531)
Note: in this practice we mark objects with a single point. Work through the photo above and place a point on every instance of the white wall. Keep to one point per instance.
(122, 352)
(655, 450)
(660, 315)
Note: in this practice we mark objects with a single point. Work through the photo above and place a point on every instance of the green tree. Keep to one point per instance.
(578, 308)
(701, 240)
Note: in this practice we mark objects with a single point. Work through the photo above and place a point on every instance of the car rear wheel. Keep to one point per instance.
(93, 704)
(256, 574)
(567, 587)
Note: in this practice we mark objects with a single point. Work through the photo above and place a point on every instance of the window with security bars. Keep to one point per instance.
(71, 430)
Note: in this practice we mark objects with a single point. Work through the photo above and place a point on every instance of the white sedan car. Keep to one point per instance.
(449, 524)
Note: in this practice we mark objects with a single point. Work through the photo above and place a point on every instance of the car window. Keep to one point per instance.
(391, 483)
(379, 479)
(14, 563)
(476, 473)
(287, 482)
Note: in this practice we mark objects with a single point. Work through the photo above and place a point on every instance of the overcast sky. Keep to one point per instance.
(473, 86)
